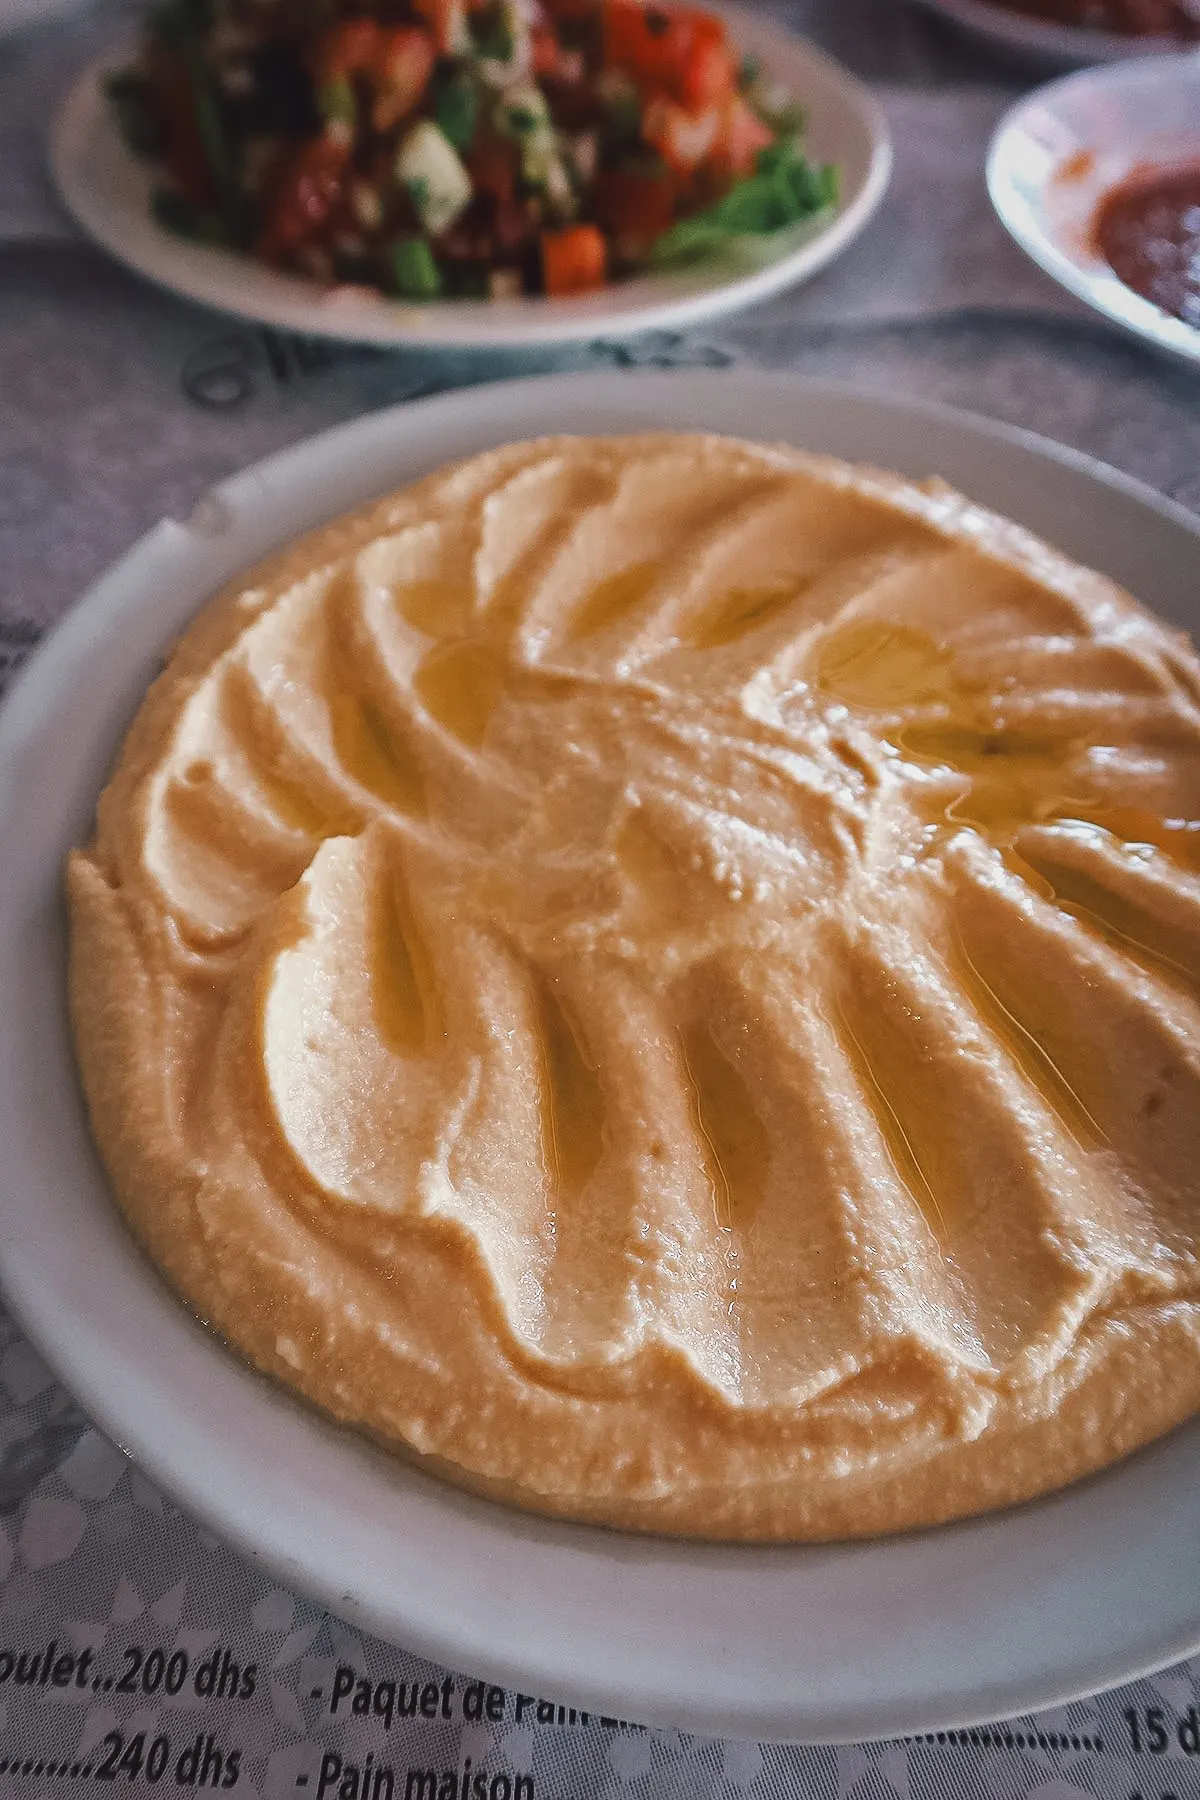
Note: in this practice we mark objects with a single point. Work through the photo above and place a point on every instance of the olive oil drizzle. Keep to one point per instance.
(899, 1145)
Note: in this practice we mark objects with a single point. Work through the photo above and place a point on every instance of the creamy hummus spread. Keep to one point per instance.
(660, 975)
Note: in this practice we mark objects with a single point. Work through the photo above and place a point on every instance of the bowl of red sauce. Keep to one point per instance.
(1097, 177)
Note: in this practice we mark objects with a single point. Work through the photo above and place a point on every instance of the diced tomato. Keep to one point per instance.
(683, 139)
(635, 206)
(741, 136)
(346, 49)
(677, 50)
(545, 50)
(575, 260)
(446, 21)
(575, 11)
(648, 42)
(400, 71)
(708, 75)
(303, 195)
(492, 166)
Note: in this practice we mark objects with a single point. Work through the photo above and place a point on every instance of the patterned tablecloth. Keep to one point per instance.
(134, 1649)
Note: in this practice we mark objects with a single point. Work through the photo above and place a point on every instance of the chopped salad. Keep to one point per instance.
(430, 148)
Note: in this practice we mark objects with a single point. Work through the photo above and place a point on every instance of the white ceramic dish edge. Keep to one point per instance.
(1040, 40)
(997, 1588)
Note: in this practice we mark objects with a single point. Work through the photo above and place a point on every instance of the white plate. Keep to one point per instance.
(940, 1628)
(1056, 154)
(108, 191)
(1040, 40)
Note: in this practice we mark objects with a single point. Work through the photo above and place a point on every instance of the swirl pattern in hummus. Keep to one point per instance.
(661, 975)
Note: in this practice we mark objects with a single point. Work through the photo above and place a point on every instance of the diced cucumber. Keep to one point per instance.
(457, 109)
(501, 42)
(429, 166)
(526, 117)
(525, 112)
(777, 108)
(336, 102)
(415, 273)
(493, 37)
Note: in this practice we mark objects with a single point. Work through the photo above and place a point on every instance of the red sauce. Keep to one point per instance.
(1129, 18)
(1148, 229)
(1077, 167)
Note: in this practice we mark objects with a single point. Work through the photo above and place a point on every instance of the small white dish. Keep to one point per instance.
(108, 192)
(1057, 153)
(1042, 41)
(942, 1628)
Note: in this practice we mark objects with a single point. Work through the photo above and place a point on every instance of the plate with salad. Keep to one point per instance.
(471, 173)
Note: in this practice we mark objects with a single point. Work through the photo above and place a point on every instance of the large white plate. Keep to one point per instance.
(939, 1628)
(1040, 40)
(108, 191)
(1056, 154)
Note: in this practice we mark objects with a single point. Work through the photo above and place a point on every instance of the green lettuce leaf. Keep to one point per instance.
(785, 190)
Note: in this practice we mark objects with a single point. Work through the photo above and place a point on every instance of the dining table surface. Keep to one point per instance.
(120, 405)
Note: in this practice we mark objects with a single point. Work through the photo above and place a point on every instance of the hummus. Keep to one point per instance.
(660, 976)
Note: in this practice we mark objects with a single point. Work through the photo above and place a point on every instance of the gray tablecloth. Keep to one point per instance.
(120, 405)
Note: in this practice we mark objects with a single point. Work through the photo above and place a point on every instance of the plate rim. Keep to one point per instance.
(82, 116)
(66, 646)
(1027, 36)
(1129, 311)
